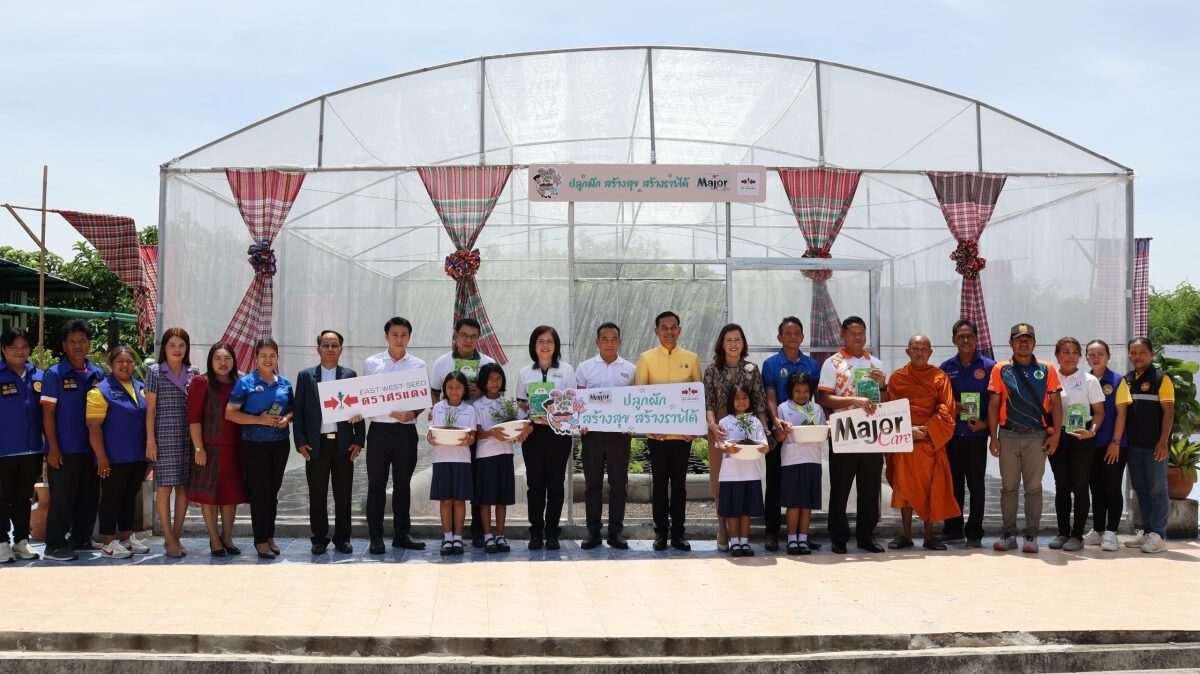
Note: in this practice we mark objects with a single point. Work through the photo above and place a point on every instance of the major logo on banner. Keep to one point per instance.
(889, 429)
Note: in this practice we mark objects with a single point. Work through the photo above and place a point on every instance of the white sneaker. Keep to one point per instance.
(136, 546)
(22, 550)
(1092, 538)
(114, 550)
(6, 553)
(1154, 544)
(1109, 543)
(1138, 540)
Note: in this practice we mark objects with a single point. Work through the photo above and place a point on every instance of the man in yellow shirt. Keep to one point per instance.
(668, 364)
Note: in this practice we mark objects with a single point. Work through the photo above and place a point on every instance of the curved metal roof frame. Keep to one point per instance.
(650, 48)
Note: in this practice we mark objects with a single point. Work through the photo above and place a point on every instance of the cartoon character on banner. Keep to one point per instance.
(563, 409)
(547, 179)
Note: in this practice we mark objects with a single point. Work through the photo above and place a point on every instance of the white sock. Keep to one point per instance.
(488, 537)
(793, 538)
(458, 537)
(743, 541)
(447, 535)
(802, 537)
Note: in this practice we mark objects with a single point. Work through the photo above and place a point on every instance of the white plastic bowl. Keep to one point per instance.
(448, 436)
(749, 452)
(511, 429)
(810, 433)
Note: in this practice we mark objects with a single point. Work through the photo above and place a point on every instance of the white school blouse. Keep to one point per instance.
(464, 418)
(487, 414)
(800, 452)
(738, 470)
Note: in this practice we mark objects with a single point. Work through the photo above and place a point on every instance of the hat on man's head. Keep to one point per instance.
(1021, 330)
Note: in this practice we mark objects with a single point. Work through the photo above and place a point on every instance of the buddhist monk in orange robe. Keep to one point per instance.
(921, 480)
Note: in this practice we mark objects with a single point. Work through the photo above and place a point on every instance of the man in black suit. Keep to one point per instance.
(329, 450)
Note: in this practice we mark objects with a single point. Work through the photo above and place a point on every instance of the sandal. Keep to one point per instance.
(793, 548)
(490, 546)
(502, 544)
(804, 548)
(900, 543)
(933, 544)
(457, 547)
(447, 548)
(735, 550)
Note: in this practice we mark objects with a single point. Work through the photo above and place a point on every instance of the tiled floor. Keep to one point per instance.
(606, 593)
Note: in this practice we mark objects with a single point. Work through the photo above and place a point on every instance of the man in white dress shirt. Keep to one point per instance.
(392, 446)
(605, 449)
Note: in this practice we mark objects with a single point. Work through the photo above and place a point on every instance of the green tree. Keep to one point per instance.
(1174, 316)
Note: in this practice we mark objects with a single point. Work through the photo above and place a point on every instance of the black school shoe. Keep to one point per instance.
(447, 548)
(407, 543)
(590, 543)
(680, 543)
(552, 543)
(618, 542)
(376, 547)
(536, 542)
(660, 543)
(772, 544)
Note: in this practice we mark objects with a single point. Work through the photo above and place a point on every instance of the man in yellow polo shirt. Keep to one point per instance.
(668, 364)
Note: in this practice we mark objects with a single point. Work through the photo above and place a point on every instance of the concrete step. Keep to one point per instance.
(1011, 652)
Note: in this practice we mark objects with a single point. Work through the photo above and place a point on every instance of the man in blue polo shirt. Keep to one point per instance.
(776, 371)
(74, 485)
(969, 373)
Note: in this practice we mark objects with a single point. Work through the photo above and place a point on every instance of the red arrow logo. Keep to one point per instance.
(332, 403)
(350, 400)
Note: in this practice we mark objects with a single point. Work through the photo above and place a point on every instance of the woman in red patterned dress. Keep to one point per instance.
(217, 480)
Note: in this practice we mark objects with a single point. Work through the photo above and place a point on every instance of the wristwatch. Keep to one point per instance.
(199, 449)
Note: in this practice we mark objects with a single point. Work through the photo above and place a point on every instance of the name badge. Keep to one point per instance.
(70, 384)
(9, 389)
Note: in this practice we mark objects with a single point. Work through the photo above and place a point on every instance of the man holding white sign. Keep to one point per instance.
(392, 446)
(921, 479)
(853, 378)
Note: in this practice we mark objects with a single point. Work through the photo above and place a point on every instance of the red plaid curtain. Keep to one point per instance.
(148, 308)
(115, 239)
(820, 199)
(967, 201)
(264, 198)
(1141, 287)
(464, 197)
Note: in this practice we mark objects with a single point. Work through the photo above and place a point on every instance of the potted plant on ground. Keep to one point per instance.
(1184, 452)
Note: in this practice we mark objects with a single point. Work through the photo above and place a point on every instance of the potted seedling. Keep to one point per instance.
(1183, 452)
(506, 418)
(449, 433)
(748, 449)
(810, 431)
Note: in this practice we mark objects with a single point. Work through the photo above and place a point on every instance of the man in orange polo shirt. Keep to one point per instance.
(1023, 390)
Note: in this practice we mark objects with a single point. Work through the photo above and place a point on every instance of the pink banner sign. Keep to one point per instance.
(647, 182)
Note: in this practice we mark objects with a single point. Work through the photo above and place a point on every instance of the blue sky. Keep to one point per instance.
(105, 92)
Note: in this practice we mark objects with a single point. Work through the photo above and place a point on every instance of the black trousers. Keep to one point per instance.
(118, 496)
(668, 473)
(264, 463)
(18, 474)
(391, 452)
(74, 498)
(968, 463)
(1108, 498)
(600, 451)
(546, 454)
(1072, 466)
(329, 463)
(844, 471)
(771, 498)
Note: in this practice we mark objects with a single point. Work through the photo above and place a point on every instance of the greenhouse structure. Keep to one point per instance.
(363, 240)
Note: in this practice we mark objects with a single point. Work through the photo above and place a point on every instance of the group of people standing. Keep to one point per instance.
(221, 438)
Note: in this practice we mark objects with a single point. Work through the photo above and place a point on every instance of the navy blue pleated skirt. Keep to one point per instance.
(450, 481)
(800, 486)
(494, 481)
(738, 499)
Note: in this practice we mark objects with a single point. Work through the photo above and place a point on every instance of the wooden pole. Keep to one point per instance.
(42, 268)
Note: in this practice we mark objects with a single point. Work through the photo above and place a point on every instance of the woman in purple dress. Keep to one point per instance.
(168, 443)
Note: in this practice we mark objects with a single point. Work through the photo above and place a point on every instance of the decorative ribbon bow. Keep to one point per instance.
(462, 264)
(967, 261)
(262, 258)
(818, 274)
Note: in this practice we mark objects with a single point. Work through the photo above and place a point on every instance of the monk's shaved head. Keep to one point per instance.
(919, 339)
(919, 349)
